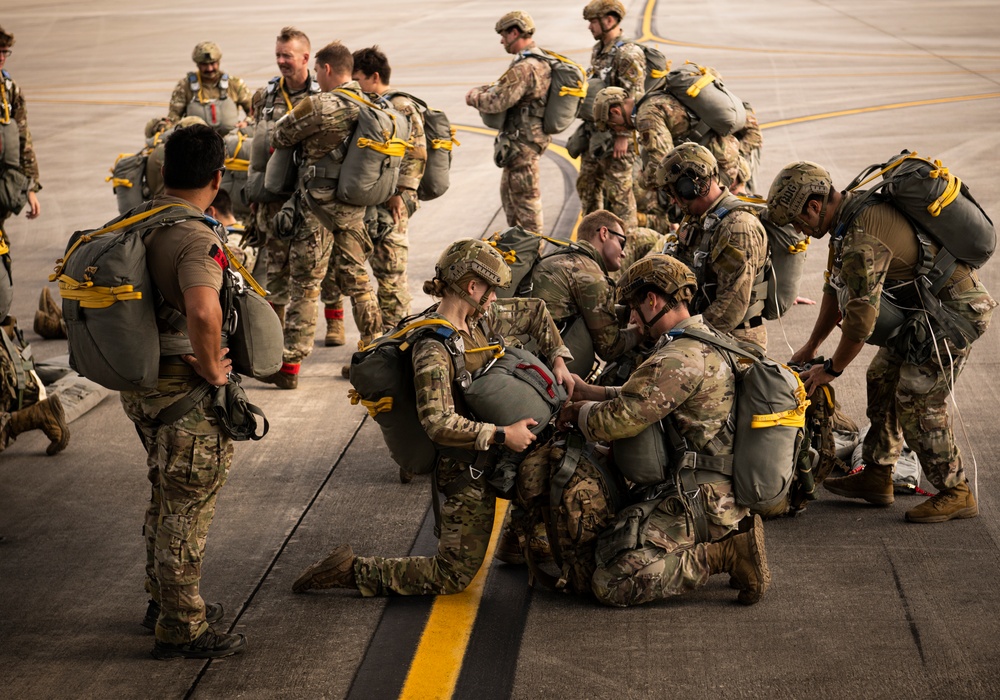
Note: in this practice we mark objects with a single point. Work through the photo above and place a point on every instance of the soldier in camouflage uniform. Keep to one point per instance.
(294, 253)
(724, 244)
(389, 233)
(188, 454)
(17, 154)
(321, 123)
(876, 250)
(466, 278)
(209, 93)
(521, 93)
(574, 284)
(605, 180)
(751, 140)
(690, 383)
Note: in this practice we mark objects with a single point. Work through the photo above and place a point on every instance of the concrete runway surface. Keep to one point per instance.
(862, 604)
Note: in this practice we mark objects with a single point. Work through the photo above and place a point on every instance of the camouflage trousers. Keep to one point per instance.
(295, 268)
(188, 464)
(911, 401)
(606, 183)
(521, 189)
(466, 519)
(390, 254)
(668, 560)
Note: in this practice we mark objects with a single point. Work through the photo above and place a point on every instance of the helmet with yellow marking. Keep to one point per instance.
(792, 188)
(519, 19)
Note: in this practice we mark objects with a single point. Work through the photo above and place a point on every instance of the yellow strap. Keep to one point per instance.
(883, 171)
(4, 248)
(383, 405)
(509, 256)
(6, 104)
(240, 138)
(124, 223)
(828, 394)
(579, 91)
(497, 350)
(284, 95)
(705, 80)
(657, 74)
(438, 144)
(495, 238)
(793, 417)
(243, 271)
(394, 147)
(406, 329)
(237, 165)
(950, 193)
(118, 181)
(751, 200)
(799, 247)
(91, 297)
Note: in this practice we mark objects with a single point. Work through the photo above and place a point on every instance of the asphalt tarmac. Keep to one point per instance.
(862, 604)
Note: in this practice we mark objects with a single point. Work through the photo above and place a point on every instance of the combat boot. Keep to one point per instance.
(213, 613)
(210, 645)
(47, 416)
(345, 371)
(405, 475)
(872, 484)
(285, 378)
(334, 314)
(336, 570)
(743, 557)
(279, 311)
(949, 504)
(48, 318)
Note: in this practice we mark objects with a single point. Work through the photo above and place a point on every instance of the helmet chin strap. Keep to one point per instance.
(656, 317)
(479, 306)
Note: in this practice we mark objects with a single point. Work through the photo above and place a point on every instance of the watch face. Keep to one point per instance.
(500, 437)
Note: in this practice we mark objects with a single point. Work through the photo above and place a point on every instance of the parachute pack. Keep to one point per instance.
(110, 306)
(365, 167)
(234, 179)
(657, 67)
(6, 277)
(221, 113)
(439, 135)
(521, 250)
(698, 89)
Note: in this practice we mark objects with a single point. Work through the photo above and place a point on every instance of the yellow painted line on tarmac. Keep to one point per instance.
(879, 108)
(648, 35)
(135, 103)
(438, 659)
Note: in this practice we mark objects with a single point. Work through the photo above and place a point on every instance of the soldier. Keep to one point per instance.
(690, 383)
(877, 250)
(465, 279)
(390, 238)
(19, 183)
(723, 242)
(605, 179)
(751, 140)
(221, 210)
(575, 286)
(188, 455)
(209, 93)
(521, 92)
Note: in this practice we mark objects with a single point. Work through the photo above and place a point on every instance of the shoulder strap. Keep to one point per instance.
(193, 82)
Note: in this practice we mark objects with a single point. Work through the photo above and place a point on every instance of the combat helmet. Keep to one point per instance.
(471, 255)
(664, 272)
(596, 9)
(606, 99)
(792, 188)
(206, 52)
(687, 170)
(519, 19)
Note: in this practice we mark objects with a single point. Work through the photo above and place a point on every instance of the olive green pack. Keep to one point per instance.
(700, 91)
(439, 136)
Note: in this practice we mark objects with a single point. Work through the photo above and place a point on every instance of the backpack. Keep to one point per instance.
(234, 179)
(440, 137)
(934, 200)
(700, 91)
(566, 92)
(128, 179)
(6, 277)
(521, 250)
(567, 487)
(657, 66)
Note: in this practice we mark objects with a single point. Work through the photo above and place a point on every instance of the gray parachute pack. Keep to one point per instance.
(439, 136)
(703, 93)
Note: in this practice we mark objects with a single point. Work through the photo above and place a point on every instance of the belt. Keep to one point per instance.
(175, 368)
(960, 287)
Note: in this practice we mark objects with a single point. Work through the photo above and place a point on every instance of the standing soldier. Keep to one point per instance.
(878, 249)
(188, 455)
(722, 241)
(294, 257)
(520, 92)
(209, 93)
(605, 180)
(688, 536)
(321, 123)
(18, 166)
(390, 237)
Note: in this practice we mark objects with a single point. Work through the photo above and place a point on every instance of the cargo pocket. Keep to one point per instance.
(174, 547)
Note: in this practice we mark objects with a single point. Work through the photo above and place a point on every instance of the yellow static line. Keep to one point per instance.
(880, 108)
(647, 35)
(438, 660)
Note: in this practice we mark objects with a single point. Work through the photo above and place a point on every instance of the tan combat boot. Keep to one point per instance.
(336, 570)
(873, 484)
(744, 558)
(949, 504)
(48, 317)
(285, 378)
(334, 314)
(47, 416)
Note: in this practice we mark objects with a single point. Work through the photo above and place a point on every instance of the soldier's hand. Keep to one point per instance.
(621, 146)
(563, 375)
(814, 377)
(470, 97)
(397, 207)
(34, 208)
(216, 376)
(803, 355)
(519, 435)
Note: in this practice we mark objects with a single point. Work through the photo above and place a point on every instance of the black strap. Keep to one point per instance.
(176, 410)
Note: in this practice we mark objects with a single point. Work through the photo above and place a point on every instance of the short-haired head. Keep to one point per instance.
(292, 34)
(223, 203)
(6, 39)
(591, 225)
(192, 156)
(371, 61)
(337, 57)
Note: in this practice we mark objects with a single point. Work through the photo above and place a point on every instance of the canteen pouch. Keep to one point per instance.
(504, 150)
(235, 413)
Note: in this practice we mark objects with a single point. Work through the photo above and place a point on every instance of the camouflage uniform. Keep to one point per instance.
(182, 96)
(188, 462)
(321, 123)
(16, 392)
(12, 104)
(576, 284)
(466, 513)
(691, 383)
(905, 400)
(606, 182)
(521, 91)
(662, 122)
(751, 140)
(392, 244)
(638, 244)
(728, 257)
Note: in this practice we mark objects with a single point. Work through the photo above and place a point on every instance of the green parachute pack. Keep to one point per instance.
(439, 136)
(698, 89)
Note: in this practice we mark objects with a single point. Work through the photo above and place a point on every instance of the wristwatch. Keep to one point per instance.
(828, 368)
(500, 436)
